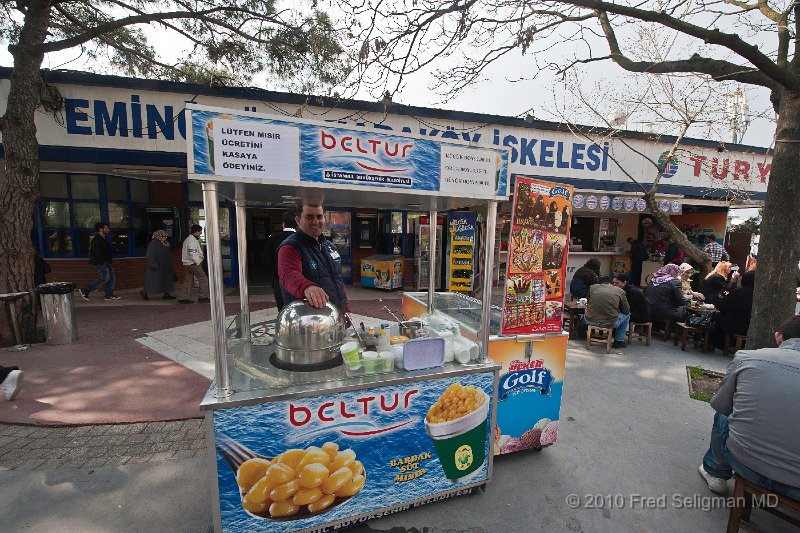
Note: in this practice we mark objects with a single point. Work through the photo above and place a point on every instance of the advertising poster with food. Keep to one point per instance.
(324, 460)
(537, 262)
(529, 392)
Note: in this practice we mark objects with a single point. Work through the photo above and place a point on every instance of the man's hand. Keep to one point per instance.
(316, 296)
(699, 295)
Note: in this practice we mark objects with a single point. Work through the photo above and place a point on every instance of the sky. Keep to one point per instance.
(511, 87)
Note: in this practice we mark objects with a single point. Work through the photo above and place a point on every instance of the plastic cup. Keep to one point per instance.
(386, 361)
(370, 360)
(350, 354)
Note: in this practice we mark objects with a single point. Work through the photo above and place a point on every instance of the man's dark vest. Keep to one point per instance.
(321, 265)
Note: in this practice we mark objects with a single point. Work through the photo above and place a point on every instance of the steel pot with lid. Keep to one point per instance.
(308, 336)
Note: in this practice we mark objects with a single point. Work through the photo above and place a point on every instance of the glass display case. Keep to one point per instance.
(464, 309)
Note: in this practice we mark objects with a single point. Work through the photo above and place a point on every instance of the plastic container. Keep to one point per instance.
(383, 339)
(350, 354)
(369, 360)
(370, 365)
(386, 361)
(423, 353)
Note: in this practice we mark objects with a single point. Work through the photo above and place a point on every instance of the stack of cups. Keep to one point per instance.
(370, 360)
(350, 355)
(386, 361)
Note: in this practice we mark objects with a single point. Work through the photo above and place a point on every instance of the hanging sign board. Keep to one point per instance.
(229, 145)
(537, 262)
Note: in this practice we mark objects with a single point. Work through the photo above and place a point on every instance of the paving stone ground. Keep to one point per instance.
(24, 447)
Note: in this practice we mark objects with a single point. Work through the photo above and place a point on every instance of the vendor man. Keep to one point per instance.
(309, 266)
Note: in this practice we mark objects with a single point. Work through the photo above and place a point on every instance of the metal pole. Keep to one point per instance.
(488, 275)
(432, 266)
(241, 239)
(211, 206)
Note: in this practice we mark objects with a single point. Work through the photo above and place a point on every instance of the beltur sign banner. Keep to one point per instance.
(229, 144)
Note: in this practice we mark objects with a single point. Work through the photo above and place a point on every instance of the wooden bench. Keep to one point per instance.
(743, 494)
(645, 332)
(733, 343)
(595, 336)
(683, 331)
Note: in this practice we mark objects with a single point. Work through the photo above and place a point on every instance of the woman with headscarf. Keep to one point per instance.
(664, 295)
(159, 277)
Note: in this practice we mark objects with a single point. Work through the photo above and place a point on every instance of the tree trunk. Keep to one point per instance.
(19, 185)
(702, 259)
(779, 247)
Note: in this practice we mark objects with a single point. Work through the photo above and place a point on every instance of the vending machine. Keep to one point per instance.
(461, 251)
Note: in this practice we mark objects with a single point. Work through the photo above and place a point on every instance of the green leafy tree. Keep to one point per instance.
(750, 42)
(297, 45)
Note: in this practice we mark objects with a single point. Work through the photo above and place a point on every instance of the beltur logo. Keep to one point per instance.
(357, 416)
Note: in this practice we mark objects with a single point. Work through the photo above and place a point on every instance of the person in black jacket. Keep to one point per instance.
(269, 255)
(664, 295)
(718, 282)
(734, 311)
(584, 277)
(100, 257)
(639, 311)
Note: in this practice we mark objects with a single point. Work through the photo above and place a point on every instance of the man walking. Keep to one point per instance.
(192, 257)
(269, 255)
(715, 250)
(753, 433)
(100, 258)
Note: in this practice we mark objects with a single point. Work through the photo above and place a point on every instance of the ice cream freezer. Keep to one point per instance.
(531, 376)
(321, 451)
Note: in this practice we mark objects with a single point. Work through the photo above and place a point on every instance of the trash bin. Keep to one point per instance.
(58, 308)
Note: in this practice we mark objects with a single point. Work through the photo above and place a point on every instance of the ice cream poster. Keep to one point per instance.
(323, 460)
(529, 392)
(536, 267)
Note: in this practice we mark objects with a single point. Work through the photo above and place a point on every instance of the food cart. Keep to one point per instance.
(326, 446)
(526, 336)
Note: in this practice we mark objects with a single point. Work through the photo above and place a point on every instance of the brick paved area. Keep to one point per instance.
(45, 447)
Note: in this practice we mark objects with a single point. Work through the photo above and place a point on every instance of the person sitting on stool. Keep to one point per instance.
(608, 307)
(752, 432)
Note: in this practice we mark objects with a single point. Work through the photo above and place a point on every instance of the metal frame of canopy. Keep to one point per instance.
(244, 190)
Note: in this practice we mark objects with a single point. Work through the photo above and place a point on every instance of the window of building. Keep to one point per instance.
(71, 204)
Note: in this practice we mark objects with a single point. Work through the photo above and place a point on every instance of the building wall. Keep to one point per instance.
(130, 271)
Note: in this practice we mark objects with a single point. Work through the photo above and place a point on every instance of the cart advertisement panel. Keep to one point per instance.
(227, 144)
(322, 460)
(529, 392)
(537, 261)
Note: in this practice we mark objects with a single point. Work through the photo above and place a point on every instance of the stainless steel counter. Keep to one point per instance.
(255, 380)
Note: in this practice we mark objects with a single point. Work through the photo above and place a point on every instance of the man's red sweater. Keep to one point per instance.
(290, 273)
